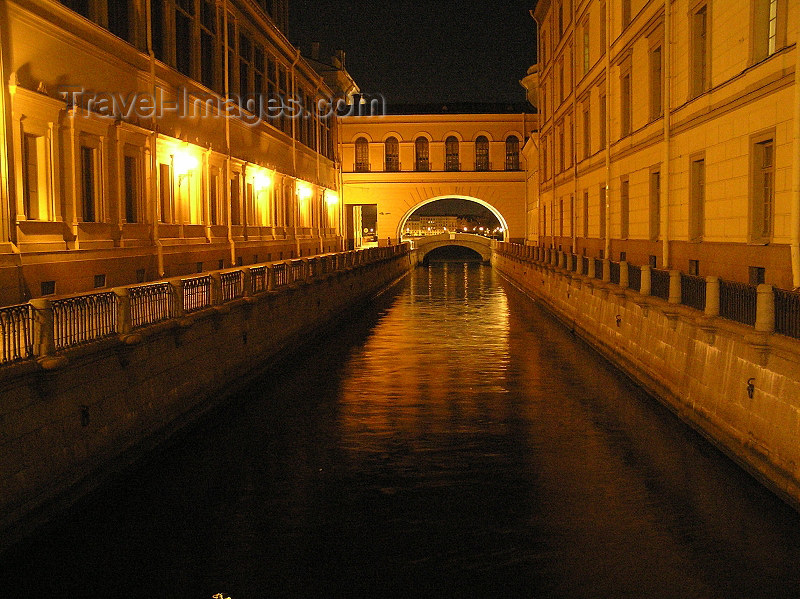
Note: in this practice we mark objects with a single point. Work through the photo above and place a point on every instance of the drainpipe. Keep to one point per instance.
(574, 199)
(664, 199)
(156, 215)
(796, 173)
(607, 250)
(7, 193)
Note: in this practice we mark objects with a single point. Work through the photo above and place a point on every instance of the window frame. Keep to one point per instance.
(757, 205)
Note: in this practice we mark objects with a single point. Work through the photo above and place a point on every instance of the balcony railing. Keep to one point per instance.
(737, 301)
(16, 327)
(84, 318)
(258, 279)
(151, 303)
(196, 293)
(232, 284)
(635, 277)
(693, 291)
(787, 313)
(614, 269)
(659, 283)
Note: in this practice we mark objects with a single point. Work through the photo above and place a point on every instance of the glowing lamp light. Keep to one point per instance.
(304, 192)
(262, 181)
(184, 162)
(331, 198)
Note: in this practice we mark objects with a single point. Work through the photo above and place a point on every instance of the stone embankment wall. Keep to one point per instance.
(736, 385)
(66, 427)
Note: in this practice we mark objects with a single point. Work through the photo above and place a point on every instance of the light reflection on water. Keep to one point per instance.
(451, 441)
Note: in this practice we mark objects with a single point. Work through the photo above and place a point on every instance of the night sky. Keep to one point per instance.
(418, 51)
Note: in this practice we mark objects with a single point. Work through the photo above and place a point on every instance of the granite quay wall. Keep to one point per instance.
(90, 383)
(736, 383)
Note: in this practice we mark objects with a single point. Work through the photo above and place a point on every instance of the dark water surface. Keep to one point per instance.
(450, 441)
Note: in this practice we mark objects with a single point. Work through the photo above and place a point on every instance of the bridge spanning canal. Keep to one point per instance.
(451, 438)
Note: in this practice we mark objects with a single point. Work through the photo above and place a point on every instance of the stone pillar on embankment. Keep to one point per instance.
(738, 385)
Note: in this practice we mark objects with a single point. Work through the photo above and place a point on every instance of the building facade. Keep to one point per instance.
(134, 145)
(401, 162)
(668, 135)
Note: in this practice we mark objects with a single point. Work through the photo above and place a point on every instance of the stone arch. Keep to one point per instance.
(363, 134)
(455, 134)
(476, 243)
(492, 209)
(394, 134)
(486, 134)
(424, 134)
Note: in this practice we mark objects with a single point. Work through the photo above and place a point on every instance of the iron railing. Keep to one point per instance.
(196, 293)
(258, 279)
(598, 268)
(297, 271)
(16, 327)
(787, 312)
(693, 291)
(584, 265)
(614, 270)
(635, 277)
(151, 303)
(737, 301)
(232, 284)
(279, 275)
(659, 283)
(84, 318)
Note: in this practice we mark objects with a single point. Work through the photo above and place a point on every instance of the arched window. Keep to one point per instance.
(482, 154)
(392, 154)
(421, 147)
(451, 162)
(362, 155)
(512, 153)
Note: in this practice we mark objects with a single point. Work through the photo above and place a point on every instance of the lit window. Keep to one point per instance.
(421, 150)
(512, 153)
(482, 153)
(699, 51)
(451, 154)
(763, 190)
(362, 155)
(392, 149)
(88, 184)
(697, 199)
(769, 24)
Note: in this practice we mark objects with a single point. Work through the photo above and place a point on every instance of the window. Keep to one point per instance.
(392, 149)
(602, 212)
(586, 46)
(656, 83)
(157, 19)
(655, 205)
(762, 192)
(245, 65)
(48, 287)
(99, 281)
(421, 152)
(562, 161)
(184, 23)
(165, 192)
(602, 123)
(624, 207)
(757, 274)
(133, 183)
(208, 35)
(697, 199)
(571, 216)
(543, 48)
(625, 102)
(482, 153)
(694, 268)
(626, 13)
(119, 19)
(236, 204)
(769, 27)
(653, 261)
(362, 155)
(33, 184)
(258, 76)
(544, 159)
(231, 54)
(587, 130)
(699, 50)
(602, 27)
(561, 79)
(213, 196)
(88, 184)
(451, 161)
(585, 212)
(512, 153)
(561, 218)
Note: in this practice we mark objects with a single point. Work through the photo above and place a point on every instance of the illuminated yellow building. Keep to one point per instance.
(669, 134)
(123, 162)
(401, 162)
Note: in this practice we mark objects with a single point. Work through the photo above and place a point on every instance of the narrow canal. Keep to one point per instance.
(451, 440)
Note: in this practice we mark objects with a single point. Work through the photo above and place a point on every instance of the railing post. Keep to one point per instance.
(765, 309)
(570, 260)
(562, 262)
(592, 272)
(646, 281)
(177, 290)
(247, 282)
(624, 277)
(606, 270)
(216, 289)
(124, 323)
(674, 287)
(306, 271)
(270, 275)
(44, 337)
(712, 296)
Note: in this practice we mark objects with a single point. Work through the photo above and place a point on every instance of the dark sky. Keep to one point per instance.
(416, 51)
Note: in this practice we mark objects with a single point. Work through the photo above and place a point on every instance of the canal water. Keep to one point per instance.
(450, 440)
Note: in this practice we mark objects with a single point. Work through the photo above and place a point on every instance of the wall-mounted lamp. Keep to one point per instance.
(262, 181)
(304, 192)
(331, 198)
(184, 162)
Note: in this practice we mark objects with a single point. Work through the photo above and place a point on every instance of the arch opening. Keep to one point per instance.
(452, 253)
(452, 214)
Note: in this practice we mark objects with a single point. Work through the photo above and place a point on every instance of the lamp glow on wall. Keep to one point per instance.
(303, 191)
(184, 162)
(331, 197)
(262, 181)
